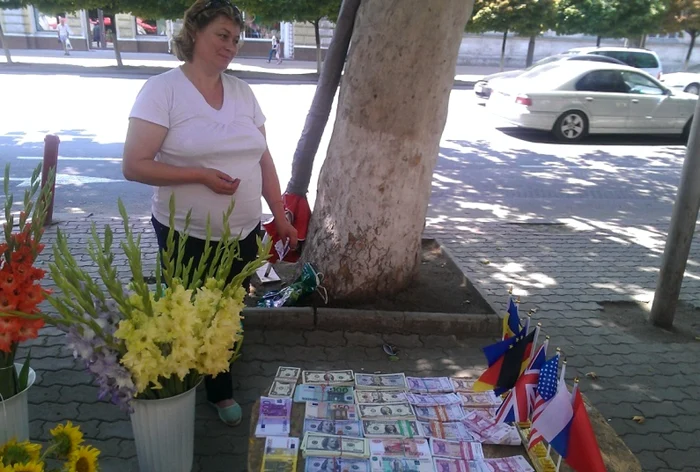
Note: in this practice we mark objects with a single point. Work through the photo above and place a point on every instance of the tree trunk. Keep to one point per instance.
(643, 41)
(530, 51)
(374, 187)
(693, 37)
(316, 120)
(597, 41)
(503, 50)
(117, 52)
(317, 32)
(5, 46)
(103, 33)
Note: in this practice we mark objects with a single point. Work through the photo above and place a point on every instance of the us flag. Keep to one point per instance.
(546, 389)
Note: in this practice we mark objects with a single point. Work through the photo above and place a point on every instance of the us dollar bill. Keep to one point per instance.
(385, 411)
(380, 396)
(333, 377)
(323, 445)
(390, 429)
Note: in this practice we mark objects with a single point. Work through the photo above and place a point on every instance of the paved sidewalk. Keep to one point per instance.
(103, 62)
(591, 284)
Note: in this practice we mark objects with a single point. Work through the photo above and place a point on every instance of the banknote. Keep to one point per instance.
(323, 445)
(380, 382)
(379, 411)
(429, 384)
(280, 454)
(439, 413)
(463, 384)
(333, 377)
(337, 428)
(485, 429)
(324, 393)
(282, 388)
(443, 464)
(417, 448)
(330, 411)
(508, 464)
(336, 464)
(274, 417)
(479, 400)
(456, 449)
(433, 399)
(390, 429)
(380, 396)
(400, 464)
(289, 373)
(455, 431)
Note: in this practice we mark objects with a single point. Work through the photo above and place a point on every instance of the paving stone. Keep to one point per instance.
(325, 338)
(102, 412)
(408, 341)
(650, 460)
(300, 353)
(260, 352)
(284, 338)
(116, 464)
(363, 339)
(65, 377)
(646, 441)
(116, 429)
(344, 353)
(224, 463)
(653, 409)
(41, 394)
(54, 412)
(213, 446)
(682, 441)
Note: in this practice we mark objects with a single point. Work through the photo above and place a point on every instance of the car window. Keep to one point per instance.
(639, 84)
(640, 60)
(607, 81)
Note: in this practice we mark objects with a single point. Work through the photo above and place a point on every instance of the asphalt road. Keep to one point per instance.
(487, 169)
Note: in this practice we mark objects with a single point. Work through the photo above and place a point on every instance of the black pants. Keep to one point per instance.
(220, 387)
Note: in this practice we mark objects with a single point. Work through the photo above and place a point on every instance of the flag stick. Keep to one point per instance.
(558, 464)
(537, 333)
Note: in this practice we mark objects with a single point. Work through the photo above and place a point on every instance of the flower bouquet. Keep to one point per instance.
(154, 342)
(20, 288)
(65, 445)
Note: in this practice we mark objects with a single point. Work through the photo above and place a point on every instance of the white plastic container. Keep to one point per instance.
(14, 412)
(164, 433)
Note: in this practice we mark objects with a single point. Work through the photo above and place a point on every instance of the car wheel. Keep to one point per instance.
(693, 88)
(571, 126)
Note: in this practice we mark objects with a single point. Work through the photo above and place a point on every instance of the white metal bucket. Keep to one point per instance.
(14, 412)
(164, 433)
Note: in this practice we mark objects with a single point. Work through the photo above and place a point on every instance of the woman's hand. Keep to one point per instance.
(219, 182)
(287, 232)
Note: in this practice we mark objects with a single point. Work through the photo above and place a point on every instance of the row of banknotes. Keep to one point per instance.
(349, 395)
(287, 377)
(393, 464)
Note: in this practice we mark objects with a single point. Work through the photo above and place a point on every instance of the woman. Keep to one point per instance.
(199, 134)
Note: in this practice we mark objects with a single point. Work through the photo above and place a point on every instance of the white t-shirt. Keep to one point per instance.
(63, 31)
(200, 136)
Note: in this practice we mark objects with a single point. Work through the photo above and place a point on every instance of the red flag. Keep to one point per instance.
(583, 454)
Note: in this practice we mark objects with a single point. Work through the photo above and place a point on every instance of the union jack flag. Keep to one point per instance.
(520, 400)
(546, 389)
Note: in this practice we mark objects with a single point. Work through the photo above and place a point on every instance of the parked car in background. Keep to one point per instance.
(578, 98)
(483, 87)
(639, 58)
(688, 81)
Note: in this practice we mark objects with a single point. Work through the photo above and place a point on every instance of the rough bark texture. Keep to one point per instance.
(8, 56)
(693, 37)
(303, 163)
(374, 186)
(530, 51)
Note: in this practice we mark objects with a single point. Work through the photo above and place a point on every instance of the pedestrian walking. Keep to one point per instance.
(198, 134)
(64, 33)
(275, 48)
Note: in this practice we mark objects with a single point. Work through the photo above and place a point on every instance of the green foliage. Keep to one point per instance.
(682, 15)
(292, 10)
(167, 9)
(525, 17)
(610, 18)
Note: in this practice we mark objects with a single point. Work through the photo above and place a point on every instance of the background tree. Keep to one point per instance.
(492, 15)
(311, 11)
(591, 17)
(684, 15)
(374, 186)
(634, 19)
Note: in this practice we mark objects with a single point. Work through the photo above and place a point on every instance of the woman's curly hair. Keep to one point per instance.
(197, 17)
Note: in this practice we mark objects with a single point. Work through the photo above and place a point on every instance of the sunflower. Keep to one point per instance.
(66, 438)
(19, 453)
(32, 466)
(83, 459)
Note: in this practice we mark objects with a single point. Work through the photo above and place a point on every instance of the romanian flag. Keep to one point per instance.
(503, 371)
(511, 322)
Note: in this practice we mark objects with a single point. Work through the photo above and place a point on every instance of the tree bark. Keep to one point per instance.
(117, 52)
(503, 50)
(5, 46)
(103, 33)
(303, 163)
(317, 32)
(693, 37)
(530, 51)
(597, 41)
(374, 187)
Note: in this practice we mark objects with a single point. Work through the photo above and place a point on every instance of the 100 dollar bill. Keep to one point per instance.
(324, 445)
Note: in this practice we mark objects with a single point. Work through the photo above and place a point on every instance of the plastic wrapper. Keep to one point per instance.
(305, 285)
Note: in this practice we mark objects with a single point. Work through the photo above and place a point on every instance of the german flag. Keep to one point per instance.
(504, 371)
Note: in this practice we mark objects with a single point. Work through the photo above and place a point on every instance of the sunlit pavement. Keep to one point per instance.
(571, 227)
